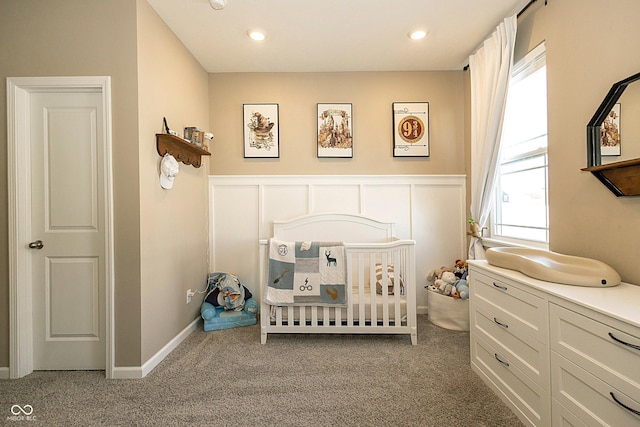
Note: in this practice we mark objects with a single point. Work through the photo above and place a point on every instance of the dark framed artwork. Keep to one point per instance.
(260, 126)
(335, 130)
(610, 133)
(410, 129)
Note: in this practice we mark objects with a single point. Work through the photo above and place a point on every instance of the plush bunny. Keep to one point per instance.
(445, 283)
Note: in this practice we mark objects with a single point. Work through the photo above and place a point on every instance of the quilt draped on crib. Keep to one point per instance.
(306, 273)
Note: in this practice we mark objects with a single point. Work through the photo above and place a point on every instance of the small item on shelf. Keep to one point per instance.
(197, 138)
(188, 132)
(194, 135)
(166, 128)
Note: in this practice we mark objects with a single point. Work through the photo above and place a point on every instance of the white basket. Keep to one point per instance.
(447, 312)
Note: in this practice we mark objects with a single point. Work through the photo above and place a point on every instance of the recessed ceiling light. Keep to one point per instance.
(218, 4)
(417, 34)
(256, 35)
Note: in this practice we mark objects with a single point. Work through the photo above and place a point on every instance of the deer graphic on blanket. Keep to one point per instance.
(306, 273)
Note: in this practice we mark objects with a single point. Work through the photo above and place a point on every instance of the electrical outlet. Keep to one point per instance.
(190, 294)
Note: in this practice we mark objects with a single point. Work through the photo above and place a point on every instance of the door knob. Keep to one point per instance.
(38, 244)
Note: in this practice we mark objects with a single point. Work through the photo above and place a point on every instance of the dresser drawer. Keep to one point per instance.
(518, 308)
(590, 399)
(499, 369)
(562, 417)
(607, 352)
(525, 352)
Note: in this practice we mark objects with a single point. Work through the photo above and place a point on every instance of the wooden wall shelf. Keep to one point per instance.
(622, 178)
(182, 150)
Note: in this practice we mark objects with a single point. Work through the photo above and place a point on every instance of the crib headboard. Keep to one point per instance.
(349, 228)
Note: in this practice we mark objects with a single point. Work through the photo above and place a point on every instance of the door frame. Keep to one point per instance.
(19, 90)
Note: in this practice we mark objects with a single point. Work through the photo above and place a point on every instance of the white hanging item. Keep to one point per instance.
(169, 168)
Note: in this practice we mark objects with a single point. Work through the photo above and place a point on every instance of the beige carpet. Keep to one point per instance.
(227, 378)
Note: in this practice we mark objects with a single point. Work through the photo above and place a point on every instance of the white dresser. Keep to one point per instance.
(558, 355)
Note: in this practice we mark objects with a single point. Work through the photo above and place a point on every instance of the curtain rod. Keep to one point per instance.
(523, 10)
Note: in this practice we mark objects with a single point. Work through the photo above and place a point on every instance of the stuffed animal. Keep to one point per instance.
(227, 295)
(462, 287)
(460, 268)
(432, 288)
(226, 291)
(445, 283)
(437, 273)
(475, 229)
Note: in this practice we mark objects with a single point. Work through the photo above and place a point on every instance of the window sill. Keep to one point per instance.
(490, 242)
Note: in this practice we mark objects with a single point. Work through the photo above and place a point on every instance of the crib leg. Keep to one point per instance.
(263, 337)
(414, 336)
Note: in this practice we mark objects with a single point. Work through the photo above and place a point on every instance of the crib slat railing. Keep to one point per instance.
(373, 306)
(385, 289)
(361, 312)
(392, 260)
(398, 268)
(305, 316)
(349, 311)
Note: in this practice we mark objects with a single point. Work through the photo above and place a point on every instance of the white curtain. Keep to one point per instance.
(490, 70)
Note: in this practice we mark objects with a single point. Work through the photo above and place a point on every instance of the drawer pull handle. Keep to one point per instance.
(623, 405)
(500, 360)
(637, 347)
(504, 288)
(504, 325)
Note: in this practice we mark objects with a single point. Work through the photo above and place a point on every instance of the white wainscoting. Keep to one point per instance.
(429, 209)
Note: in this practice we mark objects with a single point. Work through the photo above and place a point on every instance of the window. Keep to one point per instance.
(521, 202)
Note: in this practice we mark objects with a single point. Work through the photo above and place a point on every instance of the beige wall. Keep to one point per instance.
(590, 46)
(371, 95)
(70, 38)
(173, 227)
(160, 236)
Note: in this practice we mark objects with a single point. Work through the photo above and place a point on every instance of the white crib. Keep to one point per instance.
(367, 242)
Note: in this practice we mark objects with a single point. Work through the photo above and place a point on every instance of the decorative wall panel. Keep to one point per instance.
(429, 209)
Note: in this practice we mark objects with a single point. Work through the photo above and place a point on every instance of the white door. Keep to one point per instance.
(67, 230)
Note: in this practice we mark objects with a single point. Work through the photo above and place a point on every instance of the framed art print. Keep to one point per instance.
(410, 129)
(260, 130)
(610, 133)
(335, 130)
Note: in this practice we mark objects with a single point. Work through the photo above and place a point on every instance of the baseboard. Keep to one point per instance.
(422, 309)
(137, 372)
(4, 373)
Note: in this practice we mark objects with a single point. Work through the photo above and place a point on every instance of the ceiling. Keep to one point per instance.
(334, 35)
